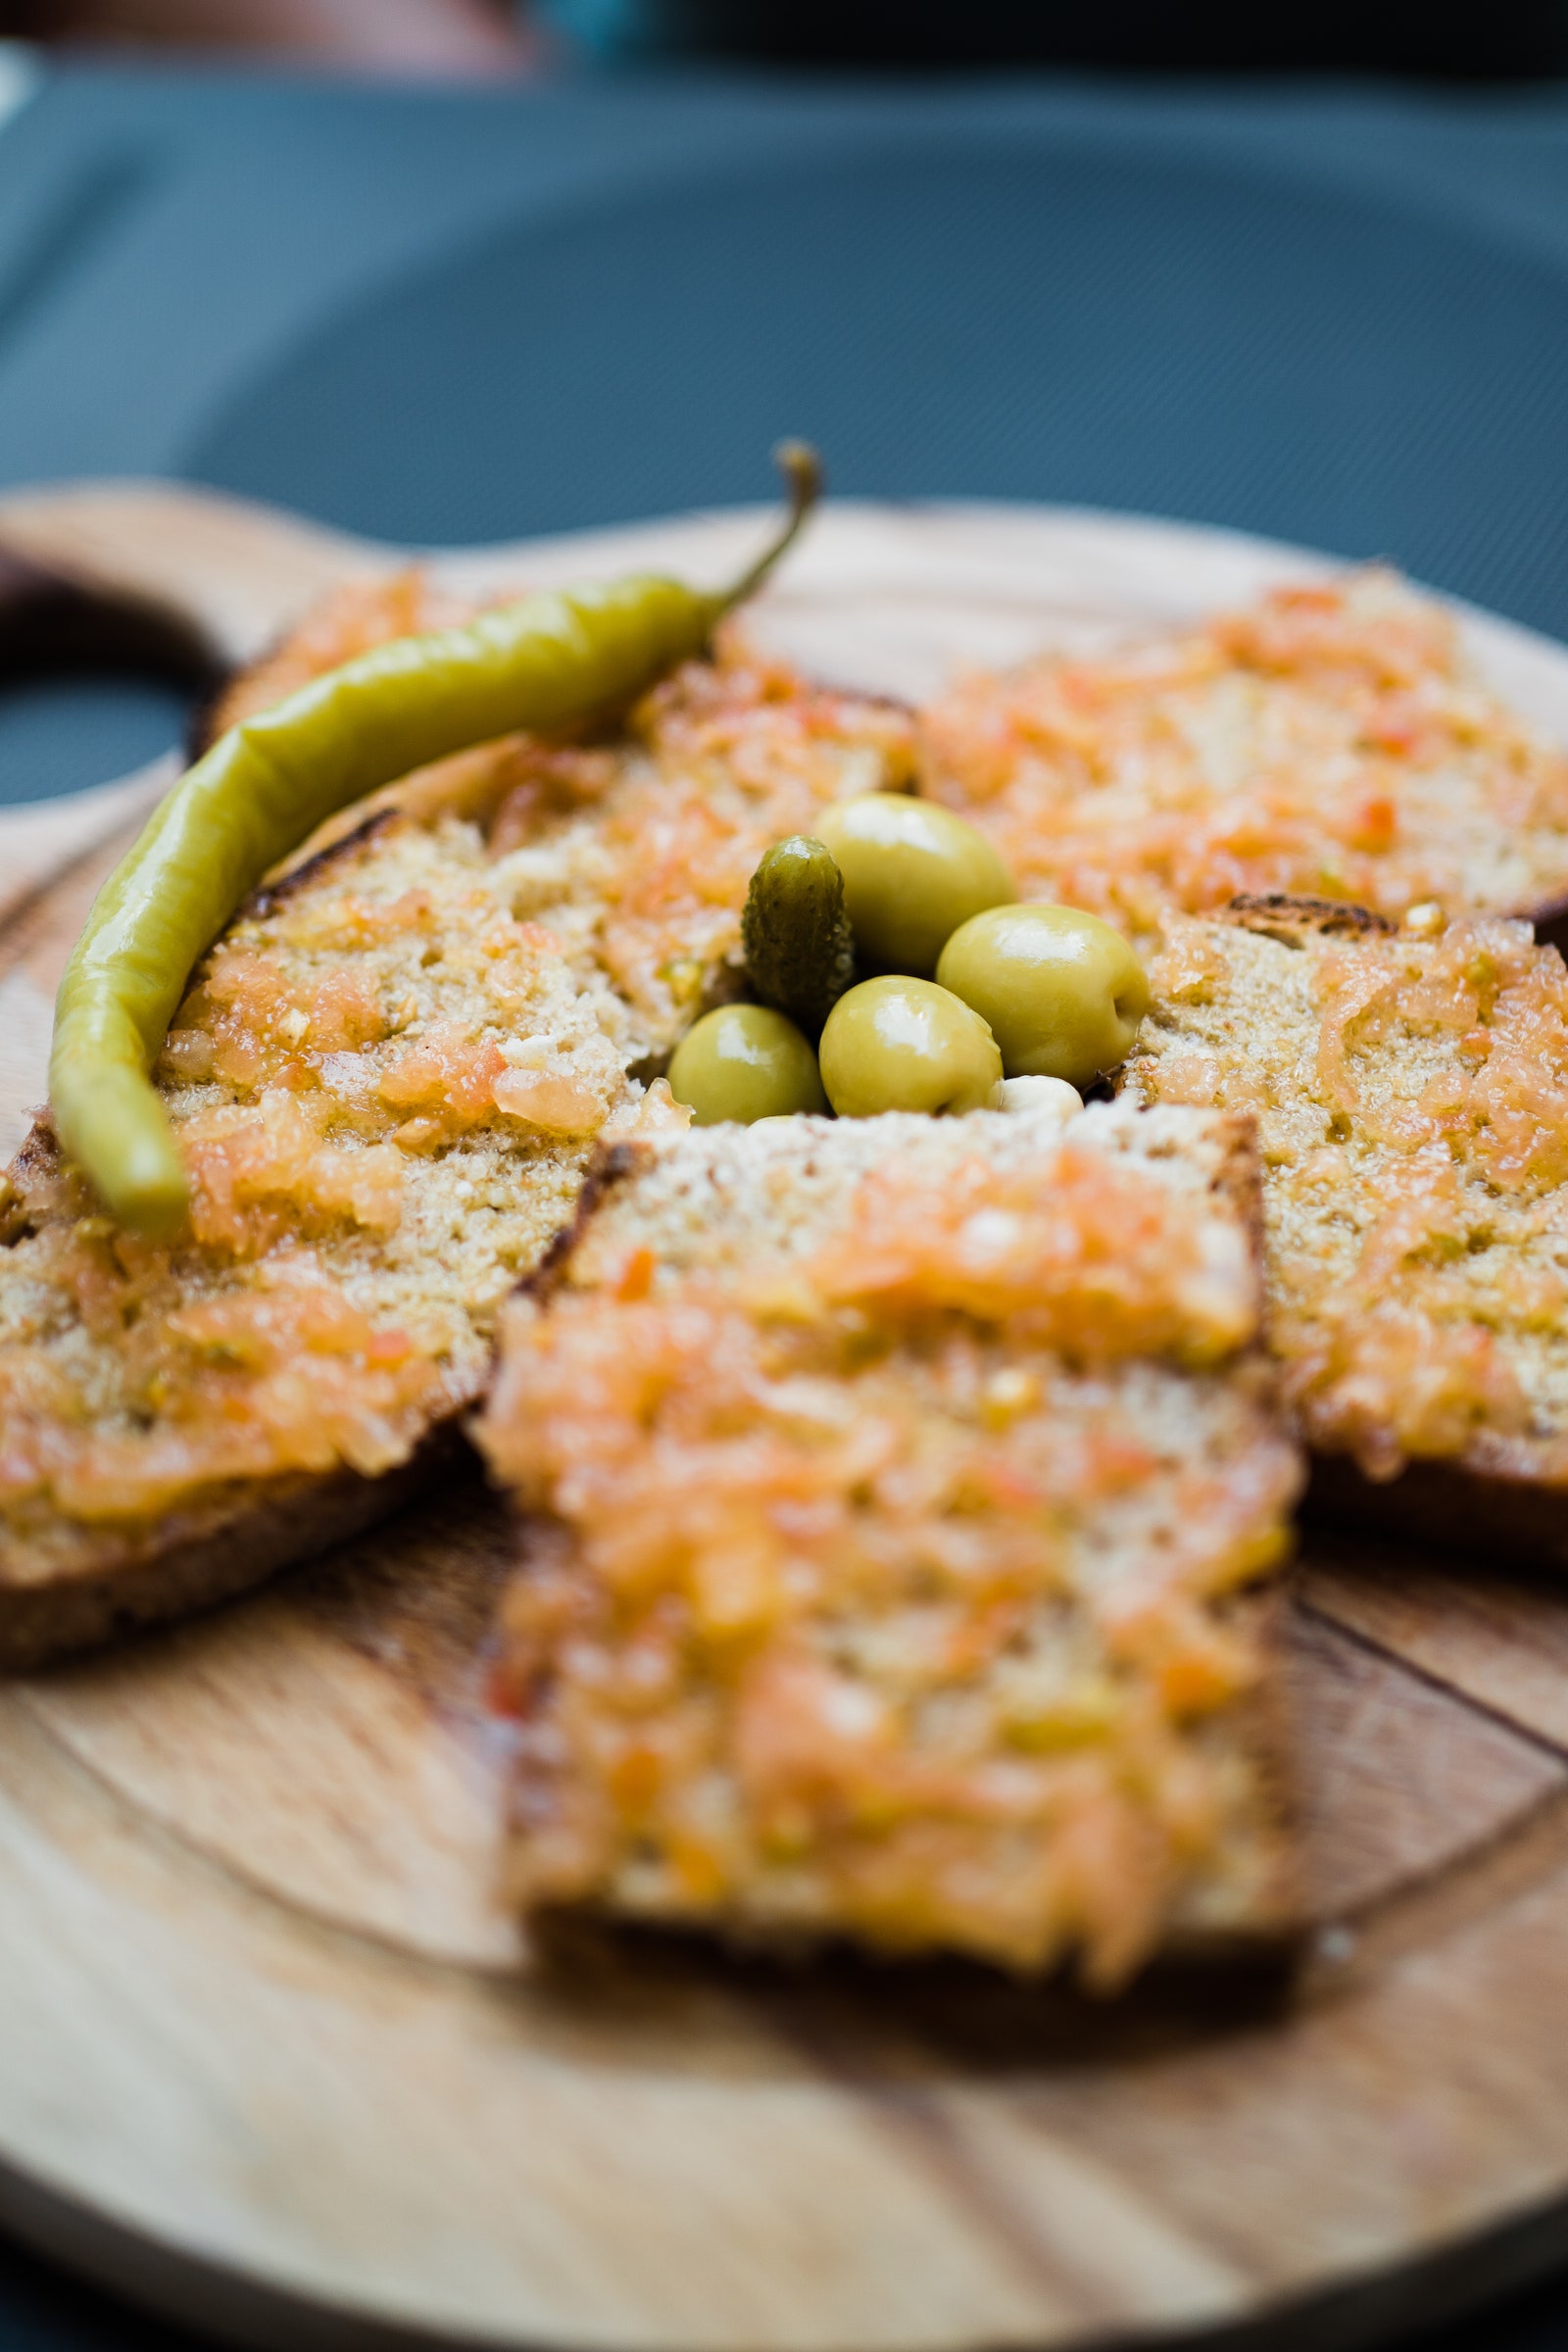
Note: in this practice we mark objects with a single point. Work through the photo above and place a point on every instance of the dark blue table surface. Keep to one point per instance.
(1335, 315)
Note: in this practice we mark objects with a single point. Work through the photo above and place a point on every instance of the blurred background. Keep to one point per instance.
(489, 37)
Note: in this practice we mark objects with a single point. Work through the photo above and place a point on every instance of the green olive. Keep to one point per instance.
(745, 1062)
(912, 873)
(1064, 991)
(907, 1044)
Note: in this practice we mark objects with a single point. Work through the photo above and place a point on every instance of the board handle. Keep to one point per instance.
(166, 575)
(160, 580)
(52, 624)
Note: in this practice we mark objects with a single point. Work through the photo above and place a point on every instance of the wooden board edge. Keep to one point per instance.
(187, 2288)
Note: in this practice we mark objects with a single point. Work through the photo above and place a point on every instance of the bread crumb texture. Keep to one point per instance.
(386, 1079)
(1329, 741)
(895, 1489)
(1411, 1094)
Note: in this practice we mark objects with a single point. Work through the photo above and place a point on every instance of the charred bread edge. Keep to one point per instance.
(1338, 917)
(266, 899)
(1276, 915)
(1261, 1721)
(190, 1566)
(610, 1164)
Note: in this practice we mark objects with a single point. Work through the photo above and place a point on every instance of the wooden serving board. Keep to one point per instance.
(265, 2038)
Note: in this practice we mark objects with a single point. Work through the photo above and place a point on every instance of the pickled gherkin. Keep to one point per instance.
(800, 951)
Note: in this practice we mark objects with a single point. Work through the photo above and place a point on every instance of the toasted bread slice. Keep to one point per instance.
(897, 1490)
(1331, 740)
(1411, 1092)
(175, 1422)
(387, 1078)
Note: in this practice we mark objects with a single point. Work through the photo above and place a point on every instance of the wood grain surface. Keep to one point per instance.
(271, 2057)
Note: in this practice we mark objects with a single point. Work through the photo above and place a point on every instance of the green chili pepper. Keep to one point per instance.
(800, 951)
(542, 664)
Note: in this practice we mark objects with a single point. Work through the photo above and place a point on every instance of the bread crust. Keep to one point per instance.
(1453, 1505)
(199, 1559)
